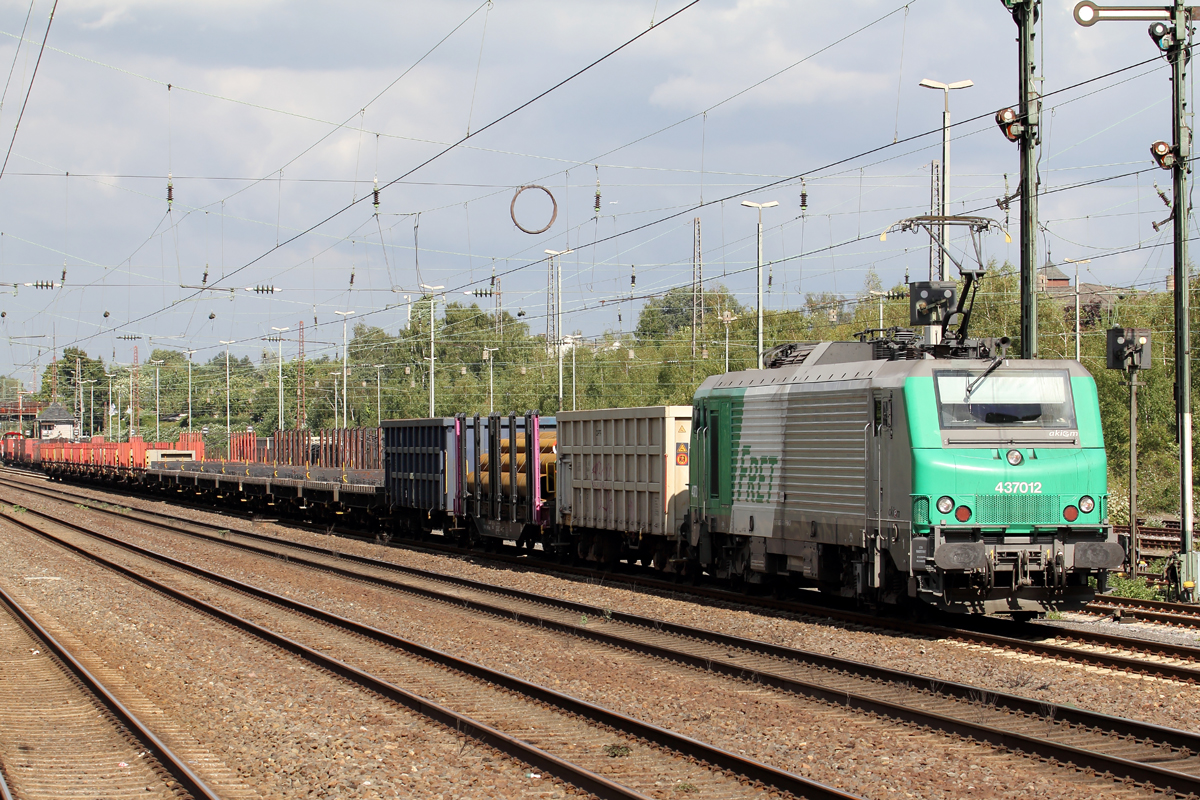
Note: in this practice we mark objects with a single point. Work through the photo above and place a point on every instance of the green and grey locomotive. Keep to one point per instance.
(890, 471)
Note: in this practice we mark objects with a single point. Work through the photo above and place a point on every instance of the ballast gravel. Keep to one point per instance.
(872, 757)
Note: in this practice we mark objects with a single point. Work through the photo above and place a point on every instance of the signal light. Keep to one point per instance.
(1160, 32)
(1128, 348)
(1164, 156)
(1012, 129)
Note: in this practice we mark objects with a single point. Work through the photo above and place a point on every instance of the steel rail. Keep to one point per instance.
(1183, 742)
(1133, 664)
(1182, 614)
(585, 779)
(173, 764)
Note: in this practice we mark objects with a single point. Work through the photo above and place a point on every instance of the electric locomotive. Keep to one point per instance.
(894, 471)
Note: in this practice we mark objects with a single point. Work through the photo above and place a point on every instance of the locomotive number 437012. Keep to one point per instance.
(1022, 487)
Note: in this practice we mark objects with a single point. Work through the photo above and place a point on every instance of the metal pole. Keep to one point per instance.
(190, 391)
(760, 308)
(345, 383)
(157, 411)
(1028, 114)
(119, 412)
(1077, 312)
(558, 344)
(228, 426)
(378, 398)
(491, 387)
(132, 423)
(92, 410)
(1183, 370)
(945, 183)
(727, 345)
(280, 425)
(1133, 460)
(432, 396)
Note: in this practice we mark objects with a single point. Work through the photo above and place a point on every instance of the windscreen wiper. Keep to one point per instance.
(996, 361)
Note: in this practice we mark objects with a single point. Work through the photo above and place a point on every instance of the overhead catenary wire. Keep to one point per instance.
(28, 90)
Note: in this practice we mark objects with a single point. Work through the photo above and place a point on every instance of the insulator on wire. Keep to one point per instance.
(632, 276)
(204, 280)
(260, 289)
(376, 193)
(597, 207)
(803, 197)
(170, 190)
(351, 276)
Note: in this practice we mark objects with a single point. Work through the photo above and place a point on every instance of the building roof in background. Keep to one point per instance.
(56, 412)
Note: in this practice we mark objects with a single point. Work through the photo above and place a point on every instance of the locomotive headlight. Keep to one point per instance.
(1015, 458)
(945, 505)
(1086, 504)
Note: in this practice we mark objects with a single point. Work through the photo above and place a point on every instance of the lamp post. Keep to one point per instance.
(189, 355)
(21, 411)
(1077, 263)
(345, 382)
(556, 257)
(760, 207)
(279, 336)
(432, 300)
(91, 406)
(228, 427)
(379, 395)
(108, 409)
(727, 318)
(487, 356)
(945, 176)
(157, 415)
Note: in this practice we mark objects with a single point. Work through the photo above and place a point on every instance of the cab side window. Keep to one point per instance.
(714, 454)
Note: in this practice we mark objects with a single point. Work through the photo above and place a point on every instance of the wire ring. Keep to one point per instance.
(512, 209)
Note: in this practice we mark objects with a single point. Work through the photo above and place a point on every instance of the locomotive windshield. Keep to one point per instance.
(1023, 399)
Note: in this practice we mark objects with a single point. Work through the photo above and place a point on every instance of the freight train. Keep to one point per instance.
(885, 470)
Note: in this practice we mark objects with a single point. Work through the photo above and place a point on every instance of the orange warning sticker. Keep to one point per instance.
(681, 454)
(682, 429)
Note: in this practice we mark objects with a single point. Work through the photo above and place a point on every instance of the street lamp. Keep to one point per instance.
(760, 207)
(945, 176)
(91, 406)
(345, 382)
(157, 433)
(189, 355)
(555, 256)
(379, 395)
(432, 300)
(574, 342)
(727, 318)
(1077, 263)
(21, 411)
(487, 356)
(228, 428)
(280, 331)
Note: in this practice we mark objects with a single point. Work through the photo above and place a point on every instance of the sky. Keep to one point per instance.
(274, 121)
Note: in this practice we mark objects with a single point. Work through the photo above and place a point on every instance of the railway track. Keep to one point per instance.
(63, 734)
(1122, 749)
(561, 735)
(1089, 648)
(1185, 615)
